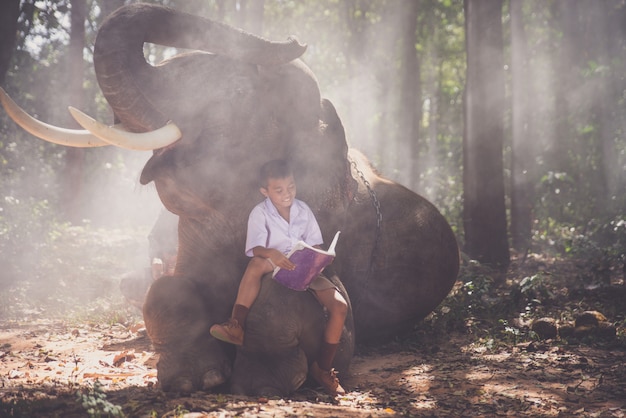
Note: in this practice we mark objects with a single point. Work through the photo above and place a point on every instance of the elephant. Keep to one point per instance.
(212, 116)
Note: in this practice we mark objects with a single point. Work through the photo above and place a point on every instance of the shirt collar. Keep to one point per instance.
(293, 211)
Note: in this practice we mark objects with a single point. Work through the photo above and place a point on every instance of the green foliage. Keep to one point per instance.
(472, 305)
(74, 273)
(24, 227)
(600, 242)
(479, 307)
(576, 137)
(557, 193)
(95, 402)
(510, 335)
(533, 290)
(603, 245)
(179, 411)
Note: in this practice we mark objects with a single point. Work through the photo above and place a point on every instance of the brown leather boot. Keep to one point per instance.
(230, 332)
(328, 379)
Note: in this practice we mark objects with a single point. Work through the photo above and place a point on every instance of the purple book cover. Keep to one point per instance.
(309, 263)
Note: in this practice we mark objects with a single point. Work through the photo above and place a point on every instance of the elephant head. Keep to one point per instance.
(243, 102)
(213, 116)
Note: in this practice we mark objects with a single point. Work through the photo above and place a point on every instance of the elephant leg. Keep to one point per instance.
(284, 332)
(178, 324)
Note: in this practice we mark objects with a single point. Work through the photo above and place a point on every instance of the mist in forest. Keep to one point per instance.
(113, 202)
(562, 119)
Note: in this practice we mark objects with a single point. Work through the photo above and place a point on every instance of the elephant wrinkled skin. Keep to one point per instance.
(240, 101)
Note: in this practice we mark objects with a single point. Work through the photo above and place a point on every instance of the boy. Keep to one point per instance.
(274, 226)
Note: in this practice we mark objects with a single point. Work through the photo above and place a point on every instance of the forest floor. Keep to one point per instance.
(464, 360)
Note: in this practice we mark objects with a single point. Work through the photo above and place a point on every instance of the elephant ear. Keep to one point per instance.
(321, 165)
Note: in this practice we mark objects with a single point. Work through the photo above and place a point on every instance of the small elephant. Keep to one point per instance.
(212, 117)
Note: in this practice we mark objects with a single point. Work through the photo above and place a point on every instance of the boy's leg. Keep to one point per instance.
(250, 284)
(321, 369)
(337, 308)
(231, 331)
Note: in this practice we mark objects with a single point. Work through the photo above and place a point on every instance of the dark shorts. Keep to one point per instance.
(321, 283)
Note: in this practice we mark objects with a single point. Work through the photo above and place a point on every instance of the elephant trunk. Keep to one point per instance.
(118, 54)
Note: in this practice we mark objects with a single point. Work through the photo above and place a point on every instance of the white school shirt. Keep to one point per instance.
(268, 229)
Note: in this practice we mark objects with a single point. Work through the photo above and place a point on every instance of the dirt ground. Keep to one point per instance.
(464, 361)
(45, 365)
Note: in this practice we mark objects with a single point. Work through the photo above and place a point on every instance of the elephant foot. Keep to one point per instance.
(183, 377)
(185, 384)
(275, 374)
(182, 385)
(298, 380)
(212, 379)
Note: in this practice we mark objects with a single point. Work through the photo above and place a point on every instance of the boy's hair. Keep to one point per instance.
(275, 169)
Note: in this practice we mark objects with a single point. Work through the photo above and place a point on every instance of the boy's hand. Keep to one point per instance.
(280, 260)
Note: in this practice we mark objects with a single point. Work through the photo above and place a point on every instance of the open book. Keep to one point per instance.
(309, 263)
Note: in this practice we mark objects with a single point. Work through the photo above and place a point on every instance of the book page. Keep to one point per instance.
(309, 263)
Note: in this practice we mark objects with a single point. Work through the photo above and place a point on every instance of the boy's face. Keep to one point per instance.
(281, 191)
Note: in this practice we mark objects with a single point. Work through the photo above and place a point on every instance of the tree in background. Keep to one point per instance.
(410, 109)
(250, 15)
(108, 7)
(73, 172)
(484, 212)
(441, 46)
(523, 175)
(9, 12)
(396, 72)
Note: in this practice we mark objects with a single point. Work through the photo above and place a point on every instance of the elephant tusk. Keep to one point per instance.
(62, 136)
(118, 136)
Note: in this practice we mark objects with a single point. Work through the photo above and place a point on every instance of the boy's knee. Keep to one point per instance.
(258, 264)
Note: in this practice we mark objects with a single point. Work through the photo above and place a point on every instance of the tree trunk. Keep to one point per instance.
(522, 162)
(428, 158)
(9, 12)
(73, 172)
(250, 16)
(604, 32)
(566, 12)
(483, 178)
(616, 118)
(109, 6)
(221, 10)
(410, 97)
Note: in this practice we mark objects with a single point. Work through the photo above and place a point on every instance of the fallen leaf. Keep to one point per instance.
(107, 376)
(119, 359)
